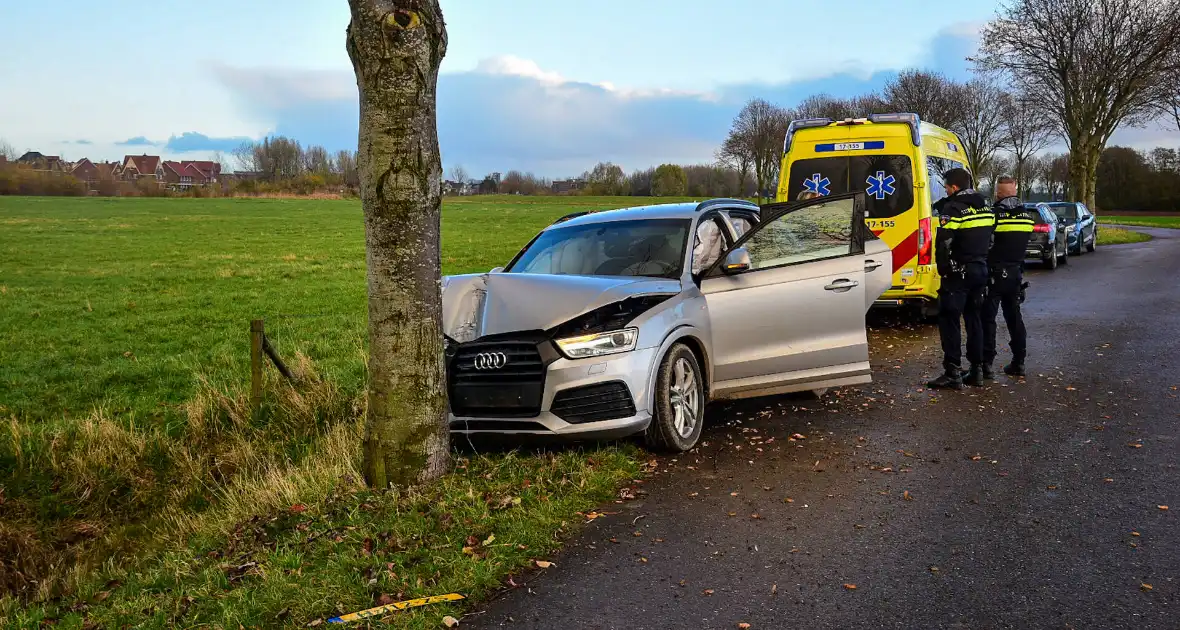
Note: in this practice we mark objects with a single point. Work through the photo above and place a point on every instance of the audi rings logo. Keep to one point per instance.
(490, 360)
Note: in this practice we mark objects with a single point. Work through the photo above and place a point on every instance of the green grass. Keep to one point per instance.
(1142, 221)
(1119, 236)
(121, 303)
(131, 455)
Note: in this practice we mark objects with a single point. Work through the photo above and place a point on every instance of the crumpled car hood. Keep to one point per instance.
(478, 305)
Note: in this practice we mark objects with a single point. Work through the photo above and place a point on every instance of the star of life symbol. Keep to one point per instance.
(818, 184)
(880, 185)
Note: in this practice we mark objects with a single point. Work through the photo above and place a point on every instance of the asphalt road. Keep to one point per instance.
(1029, 504)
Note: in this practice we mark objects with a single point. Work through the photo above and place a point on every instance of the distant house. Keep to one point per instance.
(457, 188)
(137, 167)
(40, 162)
(108, 170)
(85, 171)
(210, 171)
(564, 186)
(183, 175)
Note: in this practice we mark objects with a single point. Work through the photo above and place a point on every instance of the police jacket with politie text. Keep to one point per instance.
(965, 231)
(1014, 228)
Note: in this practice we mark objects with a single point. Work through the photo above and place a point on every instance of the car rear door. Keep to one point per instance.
(795, 318)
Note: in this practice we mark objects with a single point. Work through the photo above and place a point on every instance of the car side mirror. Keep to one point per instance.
(497, 270)
(737, 261)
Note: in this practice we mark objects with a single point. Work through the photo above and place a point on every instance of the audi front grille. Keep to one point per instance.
(503, 379)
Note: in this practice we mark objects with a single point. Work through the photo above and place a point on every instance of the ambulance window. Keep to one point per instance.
(825, 176)
(888, 183)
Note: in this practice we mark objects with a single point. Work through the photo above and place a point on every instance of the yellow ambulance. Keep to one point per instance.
(897, 160)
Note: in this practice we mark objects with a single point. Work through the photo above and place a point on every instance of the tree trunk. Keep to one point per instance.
(396, 47)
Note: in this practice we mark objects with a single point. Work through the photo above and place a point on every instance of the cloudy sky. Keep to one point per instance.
(545, 86)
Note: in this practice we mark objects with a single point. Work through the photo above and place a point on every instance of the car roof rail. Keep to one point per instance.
(572, 215)
(725, 201)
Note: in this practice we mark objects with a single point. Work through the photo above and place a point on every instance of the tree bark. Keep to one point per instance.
(396, 47)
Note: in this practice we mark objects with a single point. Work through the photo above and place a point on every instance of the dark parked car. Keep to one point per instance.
(1081, 229)
(1049, 242)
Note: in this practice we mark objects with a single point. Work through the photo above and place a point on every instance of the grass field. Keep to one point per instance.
(1119, 236)
(1142, 221)
(121, 303)
(135, 482)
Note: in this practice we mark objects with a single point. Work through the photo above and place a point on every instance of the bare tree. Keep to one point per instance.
(1098, 64)
(825, 106)
(1057, 176)
(736, 154)
(1027, 131)
(996, 167)
(345, 166)
(760, 129)
(931, 95)
(7, 151)
(459, 174)
(218, 158)
(316, 160)
(982, 126)
(244, 157)
(396, 47)
(1037, 170)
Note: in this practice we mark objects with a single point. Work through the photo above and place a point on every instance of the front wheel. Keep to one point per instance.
(1093, 242)
(1051, 261)
(679, 402)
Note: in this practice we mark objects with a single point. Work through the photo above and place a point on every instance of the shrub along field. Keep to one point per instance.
(126, 359)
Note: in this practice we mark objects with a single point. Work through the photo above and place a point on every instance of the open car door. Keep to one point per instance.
(787, 301)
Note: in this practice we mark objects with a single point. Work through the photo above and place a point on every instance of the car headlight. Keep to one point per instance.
(600, 344)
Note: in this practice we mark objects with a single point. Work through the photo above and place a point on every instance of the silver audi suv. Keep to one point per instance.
(629, 321)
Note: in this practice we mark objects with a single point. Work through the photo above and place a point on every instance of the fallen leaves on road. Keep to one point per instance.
(544, 564)
(1135, 445)
(773, 589)
(450, 621)
(907, 496)
(1145, 587)
(707, 592)
(850, 587)
(743, 626)
(798, 436)
(1163, 508)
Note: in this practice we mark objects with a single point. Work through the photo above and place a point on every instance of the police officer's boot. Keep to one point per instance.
(975, 376)
(988, 373)
(951, 379)
(1014, 369)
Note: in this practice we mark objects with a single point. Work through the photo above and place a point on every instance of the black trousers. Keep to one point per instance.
(1004, 293)
(962, 296)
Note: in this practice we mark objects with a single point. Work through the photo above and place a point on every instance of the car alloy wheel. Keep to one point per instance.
(1051, 261)
(685, 396)
(679, 402)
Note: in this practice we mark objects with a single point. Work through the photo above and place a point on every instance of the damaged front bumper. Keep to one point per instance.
(594, 398)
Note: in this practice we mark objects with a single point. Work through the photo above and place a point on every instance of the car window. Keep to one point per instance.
(741, 225)
(708, 244)
(651, 248)
(1067, 211)
(934, 170)
(812, 233)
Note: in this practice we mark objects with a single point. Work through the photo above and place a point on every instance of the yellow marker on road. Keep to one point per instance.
(396, 606)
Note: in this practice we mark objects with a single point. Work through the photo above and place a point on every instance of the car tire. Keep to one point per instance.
(679, 402)
(1093, 242)
(1051, 261)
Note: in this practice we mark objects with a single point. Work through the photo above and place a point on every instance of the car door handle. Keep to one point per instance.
(872, 265)
(842, 285)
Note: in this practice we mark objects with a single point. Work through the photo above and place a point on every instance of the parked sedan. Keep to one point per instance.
(1081, 228)
(630, 321)
(1049, 242)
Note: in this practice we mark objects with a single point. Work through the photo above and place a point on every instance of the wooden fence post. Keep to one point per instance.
(256, 337)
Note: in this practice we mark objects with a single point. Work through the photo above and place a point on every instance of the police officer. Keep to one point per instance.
(961, 249)
(1006, 265)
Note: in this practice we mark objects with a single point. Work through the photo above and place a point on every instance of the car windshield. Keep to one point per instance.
(651, 248)
(1066, 211)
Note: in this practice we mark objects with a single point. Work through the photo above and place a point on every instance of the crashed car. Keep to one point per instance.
(629, 321)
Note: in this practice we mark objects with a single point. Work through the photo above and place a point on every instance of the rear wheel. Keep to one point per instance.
(1093, 241)
(680, 403)
(1051, 261)
(1065, 255)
